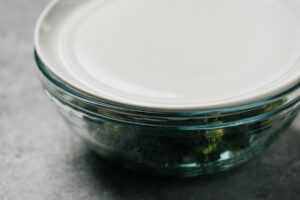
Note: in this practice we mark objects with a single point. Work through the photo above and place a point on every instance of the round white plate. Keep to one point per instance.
(173, 54)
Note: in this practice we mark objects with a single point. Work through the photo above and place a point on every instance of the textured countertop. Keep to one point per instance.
(41, 159)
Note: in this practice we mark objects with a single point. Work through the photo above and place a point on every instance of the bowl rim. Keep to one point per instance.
(73, 91)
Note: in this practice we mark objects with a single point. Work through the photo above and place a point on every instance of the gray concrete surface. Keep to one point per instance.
(40, 159)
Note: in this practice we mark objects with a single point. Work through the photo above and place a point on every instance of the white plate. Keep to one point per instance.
(173, 54)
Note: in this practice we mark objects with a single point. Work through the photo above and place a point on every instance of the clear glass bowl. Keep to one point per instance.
(180, 144)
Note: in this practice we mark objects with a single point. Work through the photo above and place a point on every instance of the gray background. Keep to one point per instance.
(41, 159)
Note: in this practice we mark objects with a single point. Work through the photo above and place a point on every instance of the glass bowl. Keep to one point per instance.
(182, 144)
